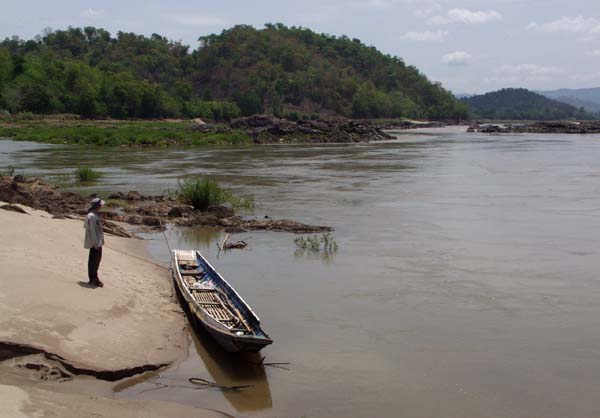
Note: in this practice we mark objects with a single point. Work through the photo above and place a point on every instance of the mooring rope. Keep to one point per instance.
(164, 231)
(144, 259)
(138, 257)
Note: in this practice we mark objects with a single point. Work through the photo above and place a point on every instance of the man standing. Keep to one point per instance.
(94, 240)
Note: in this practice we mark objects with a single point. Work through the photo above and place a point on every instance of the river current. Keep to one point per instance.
(466, 283)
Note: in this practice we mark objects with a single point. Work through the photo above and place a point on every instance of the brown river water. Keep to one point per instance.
(466, 284)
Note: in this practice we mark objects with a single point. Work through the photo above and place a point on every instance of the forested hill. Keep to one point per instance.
(278, 70)
(521, 104)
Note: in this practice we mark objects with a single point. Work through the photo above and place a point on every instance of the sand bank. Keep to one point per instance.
(64, 327)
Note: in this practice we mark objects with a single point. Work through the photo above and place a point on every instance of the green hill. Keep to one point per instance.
(286, 71)
(521, 104)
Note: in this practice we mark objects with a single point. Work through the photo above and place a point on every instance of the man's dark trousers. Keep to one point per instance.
(94, 263)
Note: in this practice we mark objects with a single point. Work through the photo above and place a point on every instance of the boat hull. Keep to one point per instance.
(228, 341)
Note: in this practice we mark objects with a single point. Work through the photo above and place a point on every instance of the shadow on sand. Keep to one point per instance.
(87, 285)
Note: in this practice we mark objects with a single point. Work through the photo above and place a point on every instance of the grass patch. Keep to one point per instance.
(324, 244)
(135, 133)
(202, 192)
(86, 175)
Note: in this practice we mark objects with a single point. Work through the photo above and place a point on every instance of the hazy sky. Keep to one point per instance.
(469, 46)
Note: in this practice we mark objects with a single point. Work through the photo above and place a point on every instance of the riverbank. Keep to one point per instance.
(114, 133)
(258, 129)
(140, 210)
(62, 343)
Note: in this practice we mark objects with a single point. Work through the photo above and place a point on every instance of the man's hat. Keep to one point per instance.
(97, 202)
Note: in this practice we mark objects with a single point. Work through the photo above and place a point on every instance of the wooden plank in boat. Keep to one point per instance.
(205, 296)
(186, 257)
(219, 313)
(192, 272)
(210, 301)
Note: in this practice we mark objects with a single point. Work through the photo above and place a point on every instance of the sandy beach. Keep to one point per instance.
(64, 344)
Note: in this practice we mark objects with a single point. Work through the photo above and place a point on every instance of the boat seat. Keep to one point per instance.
(193, 273)
(218, 312)
(188, 265)
(207, 296)
(211, 302)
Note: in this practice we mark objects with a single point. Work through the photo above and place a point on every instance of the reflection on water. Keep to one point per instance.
(466, 284)
(206, 360)
(324, 256)
(233, 370)
(194, 238)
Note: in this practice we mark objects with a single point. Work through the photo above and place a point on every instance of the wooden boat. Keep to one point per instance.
(216, 305)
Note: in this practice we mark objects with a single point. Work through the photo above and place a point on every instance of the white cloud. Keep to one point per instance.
(505, 81)
(594, 53)
(523, 73)
(578, 24)
(530, 70)
(198, 20)
(457, 58)
(465, 16)
(426, 36)
(90, 13)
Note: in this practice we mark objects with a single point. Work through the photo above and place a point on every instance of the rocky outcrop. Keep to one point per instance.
(558, 127)
(134, 208)
(268, 129)
(235, 224)
(14, 208)
(37, 194)
(410, 124)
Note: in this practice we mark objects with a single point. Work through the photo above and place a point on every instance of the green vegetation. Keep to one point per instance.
(285, 71)
(117, 133)
(314, 244)
(86, 175)
(202, 192)
(521, 104)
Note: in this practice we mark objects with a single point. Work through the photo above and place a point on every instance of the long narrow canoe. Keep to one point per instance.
(216, 305)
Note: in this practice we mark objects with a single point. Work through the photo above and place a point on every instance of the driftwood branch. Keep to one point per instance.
(197, 382)
(272, 364)
(208, 384)
(226, 245)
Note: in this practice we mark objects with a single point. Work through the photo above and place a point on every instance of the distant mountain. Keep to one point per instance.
(586, 105)
(521, 104)
(589, 99)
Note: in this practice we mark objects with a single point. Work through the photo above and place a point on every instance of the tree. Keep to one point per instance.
(242, 70)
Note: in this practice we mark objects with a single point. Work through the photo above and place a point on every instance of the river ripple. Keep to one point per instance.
(466, 283)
